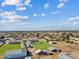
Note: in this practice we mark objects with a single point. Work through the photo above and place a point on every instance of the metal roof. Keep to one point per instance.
(15, 54)
(65, 56)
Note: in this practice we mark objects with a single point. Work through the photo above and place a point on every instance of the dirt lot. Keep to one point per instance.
(47, 57)
(65, 47)
(75, 54)
(1, 57)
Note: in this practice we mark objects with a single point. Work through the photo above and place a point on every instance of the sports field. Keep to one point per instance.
(42, 45)
(9, 47)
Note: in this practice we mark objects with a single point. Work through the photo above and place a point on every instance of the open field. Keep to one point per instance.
(9, 47)
(42, 45)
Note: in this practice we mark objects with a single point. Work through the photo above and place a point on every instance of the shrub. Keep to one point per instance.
(71, 42)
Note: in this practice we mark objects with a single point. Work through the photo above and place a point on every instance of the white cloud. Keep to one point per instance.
(5, 13)
(11, 17)
(15, 18)
(10, 2)
(39, 14)
(46, 6)
(29, 5)
(43, 14)
(60, 5)
(16, 2)
(10, 21)
(55, 13)
(27, 2)
(34, 14)
(20, 4)
(21, 8)
(71, 21)
(76, 23)
(74, 19)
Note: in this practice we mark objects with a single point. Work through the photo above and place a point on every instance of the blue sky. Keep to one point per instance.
(27, 15)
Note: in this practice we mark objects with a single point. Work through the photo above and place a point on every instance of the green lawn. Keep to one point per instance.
(9, 47)
(42, 45)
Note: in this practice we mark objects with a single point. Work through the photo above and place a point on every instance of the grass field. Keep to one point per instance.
(42, 45)
(9, 47)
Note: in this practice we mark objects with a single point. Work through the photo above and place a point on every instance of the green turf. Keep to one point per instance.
(42, 45)
(9, 47)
